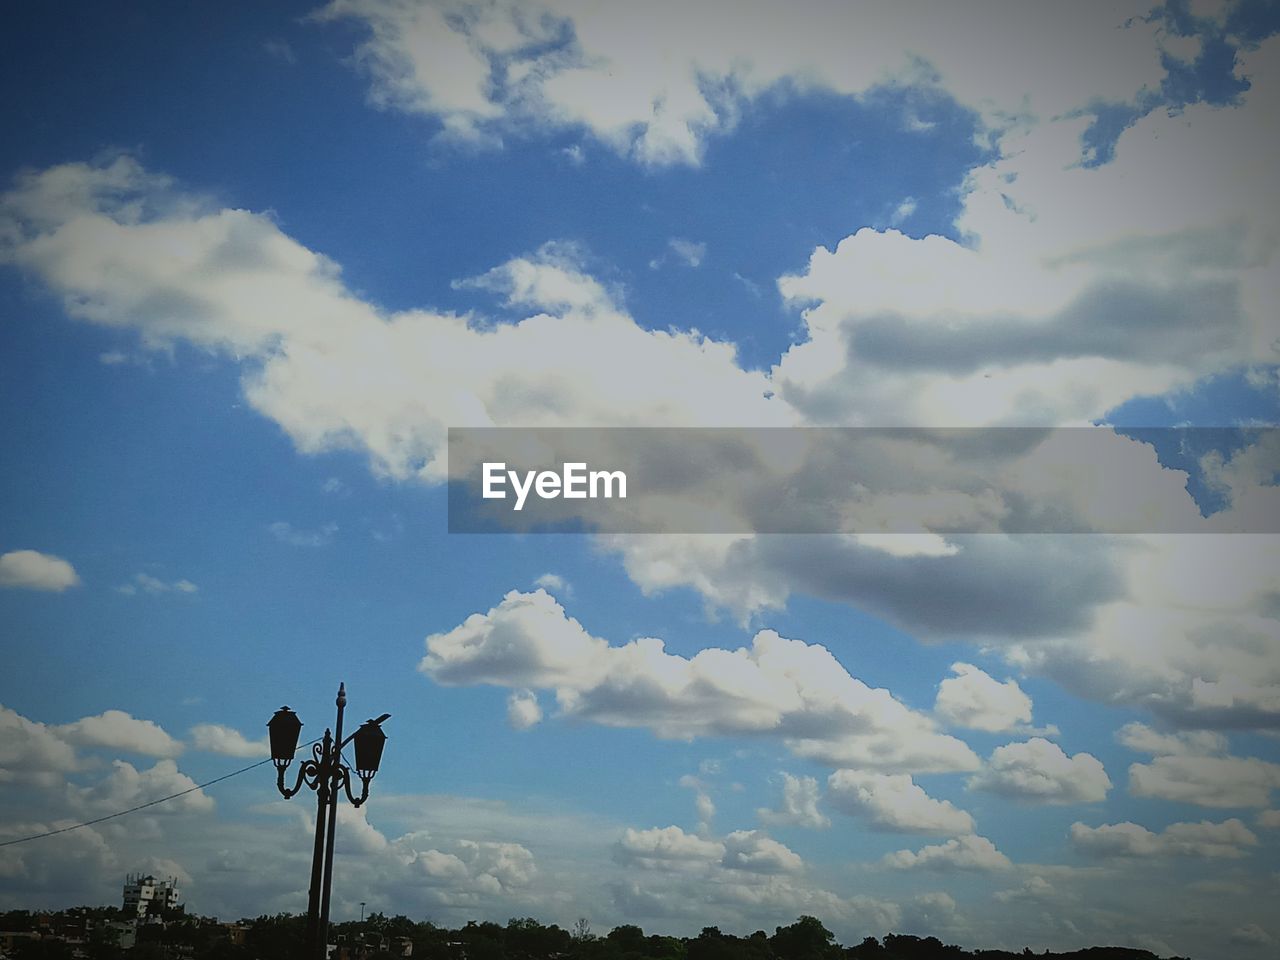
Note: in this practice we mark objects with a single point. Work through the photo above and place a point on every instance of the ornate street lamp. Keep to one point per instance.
(326, 774)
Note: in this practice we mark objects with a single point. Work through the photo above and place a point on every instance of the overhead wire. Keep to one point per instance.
(143, 806)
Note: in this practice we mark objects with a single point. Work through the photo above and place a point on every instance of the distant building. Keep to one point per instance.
(125, 934)
(144, 894)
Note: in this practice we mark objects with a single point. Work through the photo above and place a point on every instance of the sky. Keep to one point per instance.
(257, 259)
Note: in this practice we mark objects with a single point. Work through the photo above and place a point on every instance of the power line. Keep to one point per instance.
(142, 806)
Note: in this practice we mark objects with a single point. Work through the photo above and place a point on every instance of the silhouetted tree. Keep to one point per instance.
(279, 937)
(868, 949)
(806, 939)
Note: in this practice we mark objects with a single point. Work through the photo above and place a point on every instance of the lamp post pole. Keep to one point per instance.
(326, 774)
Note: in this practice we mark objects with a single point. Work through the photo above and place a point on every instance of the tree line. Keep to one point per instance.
(379, 937)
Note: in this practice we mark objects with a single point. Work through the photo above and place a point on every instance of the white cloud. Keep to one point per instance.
(702, 802)
(523, 709)
(969, 852)
(798, 805)
(1204, 839)
(894, 803)
(753, 851)
(1269, 819)
(115, 729)
(32, 570)
(978, 701)
(688, 252)
(153, 585)
(902, 211)
(555, 585)
(472, 869)
(670, 848)
(1200, 650)
(1142, 738)
(1038, 771)
(657, 85)
(73, 861)
(216, 738)
(666, 847)
(552, 280)
(127, 786)
(242, 864)
(743, 877)
(1037, 890)
(124, 249)
(1056, 309)
(31, 751)
(1206, 781)
(777, 688)
(685, 889)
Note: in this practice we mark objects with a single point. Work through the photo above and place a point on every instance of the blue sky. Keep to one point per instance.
(255, 260)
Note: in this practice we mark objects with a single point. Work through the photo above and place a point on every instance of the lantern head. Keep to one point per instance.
(284, 728)
(369, 741)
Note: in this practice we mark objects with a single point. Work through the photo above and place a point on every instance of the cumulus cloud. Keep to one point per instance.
(1205, 649)
(666, 847)
(31, 751)
(894, 803)
(777, 688)
(1206, 781)
(752, 850)
(457, 856)
(315, 381)
(115, 729)
(1204, 839)
(742, 897)
(1200, 650)
(932, 913)
(216, 738)
(986, 586)
(969, 852)
(976, 700)
(124, 248)
(469, 870)
(798, 805)
(657, 94)
(1037, 890)
(76, 861)
(1142, 738)
(127, 786)
(1074, 260)
(675, 874)
(555, 585)
(670, 848)
(32, 570)
(523, 709)
(1058, 309)
(1038, 771)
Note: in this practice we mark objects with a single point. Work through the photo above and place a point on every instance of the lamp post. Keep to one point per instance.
(326, 774)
